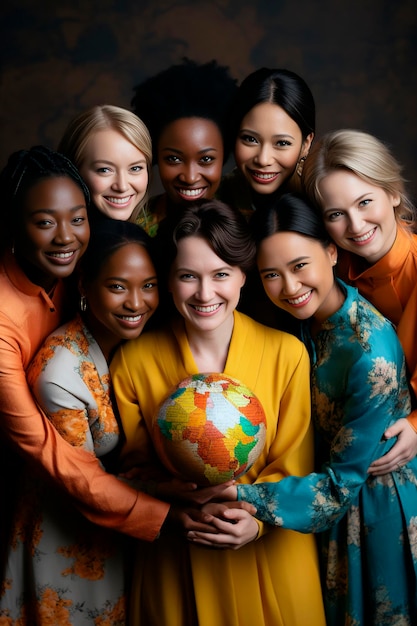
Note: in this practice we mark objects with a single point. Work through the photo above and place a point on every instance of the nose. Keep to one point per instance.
(190, 173)
(120, 182)
(134, 300)
(264, 155)
(64, 233)
(355, 222)
(290, 285)
(205, 291)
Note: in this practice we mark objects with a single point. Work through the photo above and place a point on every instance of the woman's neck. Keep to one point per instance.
(210, 348)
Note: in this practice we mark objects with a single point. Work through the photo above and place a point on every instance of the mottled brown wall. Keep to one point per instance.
(59, 57)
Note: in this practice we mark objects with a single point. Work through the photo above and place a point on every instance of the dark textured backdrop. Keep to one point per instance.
(59, 57)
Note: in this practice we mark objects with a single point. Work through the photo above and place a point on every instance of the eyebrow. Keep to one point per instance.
(297, 260)
(106, 162)
(123, 280)
(254, 132)
(178, 151)
(73, 209)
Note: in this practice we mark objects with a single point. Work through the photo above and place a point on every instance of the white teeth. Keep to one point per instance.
(301, 299)
(131, 318)
(119, 200)
(61, 255)
(191, 192)
(264, 175)
(206, 309)
(364, 237)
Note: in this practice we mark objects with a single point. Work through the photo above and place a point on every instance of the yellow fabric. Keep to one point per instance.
(271, 581)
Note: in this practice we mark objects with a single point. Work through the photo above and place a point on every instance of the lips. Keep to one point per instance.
(191, 194)
(364, 238)
(206, 309)
(264, 178)
(62, 258)
(301, 299)
(118, 201)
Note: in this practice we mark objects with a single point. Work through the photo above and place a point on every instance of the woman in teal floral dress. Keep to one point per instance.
(367, 525)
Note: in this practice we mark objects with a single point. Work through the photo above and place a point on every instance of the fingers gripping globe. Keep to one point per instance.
(210, 429)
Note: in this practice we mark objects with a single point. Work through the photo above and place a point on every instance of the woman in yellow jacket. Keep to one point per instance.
(266, 576)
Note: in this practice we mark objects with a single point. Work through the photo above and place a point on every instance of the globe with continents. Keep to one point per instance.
(210, 429)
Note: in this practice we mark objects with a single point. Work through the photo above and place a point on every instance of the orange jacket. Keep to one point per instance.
(391, 286)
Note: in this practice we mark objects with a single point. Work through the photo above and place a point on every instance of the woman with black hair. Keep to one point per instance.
(272, 128)
(186, 109)
(367, 524)
(45, 233)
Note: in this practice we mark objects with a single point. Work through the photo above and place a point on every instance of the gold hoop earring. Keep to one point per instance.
(300, 166)
(83, 303)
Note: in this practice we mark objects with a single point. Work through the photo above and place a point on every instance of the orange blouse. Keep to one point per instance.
(391, 286)
(27, 315)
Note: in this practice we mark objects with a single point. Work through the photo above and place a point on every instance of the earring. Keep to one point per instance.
(83, 303)
(300, 166)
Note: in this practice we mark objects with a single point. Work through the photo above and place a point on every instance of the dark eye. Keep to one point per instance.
(136, 168)
(283, 143)
(172, 158)
(270, 276)
(150, 285)
(248, 138)
(300, 266)
(207, 159)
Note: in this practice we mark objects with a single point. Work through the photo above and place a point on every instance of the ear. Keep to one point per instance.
(395, 199)
(306, 145)
(332, 252)
(243, 279)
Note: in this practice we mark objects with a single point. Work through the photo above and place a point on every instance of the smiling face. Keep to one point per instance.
(359, 216)
(122, 298)
(268, 147)
(297, 275)
(205, 289)
(115, 172)
(190, 159)
(54, 230)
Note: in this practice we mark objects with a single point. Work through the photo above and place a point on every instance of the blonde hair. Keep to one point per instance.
(363, 155)
(76, 137)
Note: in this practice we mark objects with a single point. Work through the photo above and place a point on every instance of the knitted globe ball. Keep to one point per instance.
(210, 429)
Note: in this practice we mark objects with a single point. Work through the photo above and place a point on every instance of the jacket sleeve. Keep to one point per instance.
(101, 497)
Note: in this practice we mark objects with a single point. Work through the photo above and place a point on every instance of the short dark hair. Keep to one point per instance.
(188, 89)
(223, 227)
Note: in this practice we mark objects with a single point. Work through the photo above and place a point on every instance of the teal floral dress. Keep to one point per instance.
(367, 525)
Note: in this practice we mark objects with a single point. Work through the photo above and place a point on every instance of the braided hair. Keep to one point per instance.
(26, 168)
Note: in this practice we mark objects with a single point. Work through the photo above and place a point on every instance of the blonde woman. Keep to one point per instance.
(357, 183)
(112, 150)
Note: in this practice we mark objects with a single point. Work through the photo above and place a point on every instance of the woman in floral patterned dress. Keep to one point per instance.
(77, 568)
(368, 524)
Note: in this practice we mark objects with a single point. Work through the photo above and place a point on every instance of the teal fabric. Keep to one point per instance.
(367, 525)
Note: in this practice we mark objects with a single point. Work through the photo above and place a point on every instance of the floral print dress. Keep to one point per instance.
(367, 525)
(62, 569)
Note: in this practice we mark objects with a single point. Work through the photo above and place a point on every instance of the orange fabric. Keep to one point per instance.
(27, 316)
(391, 286)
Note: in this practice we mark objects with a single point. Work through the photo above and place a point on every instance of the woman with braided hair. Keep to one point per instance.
(45, 232)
